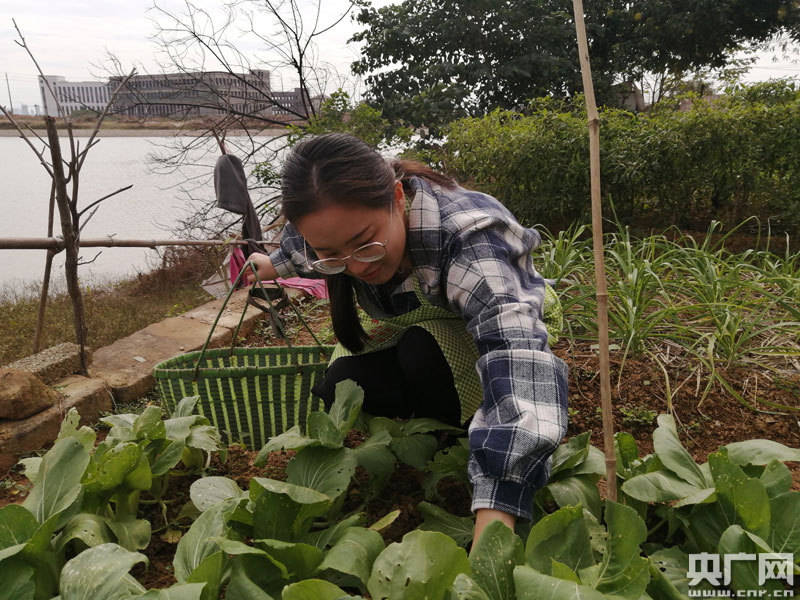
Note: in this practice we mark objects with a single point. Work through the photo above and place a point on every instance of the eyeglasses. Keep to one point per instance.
(368, 253)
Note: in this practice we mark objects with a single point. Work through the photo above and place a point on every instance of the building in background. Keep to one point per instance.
(180, 95)
(291, 103)
(71, 96)
(193, 94)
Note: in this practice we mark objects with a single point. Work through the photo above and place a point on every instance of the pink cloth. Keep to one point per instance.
(314, 287)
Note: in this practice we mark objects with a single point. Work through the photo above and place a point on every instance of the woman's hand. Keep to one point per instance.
(263, 266)
(484, 516)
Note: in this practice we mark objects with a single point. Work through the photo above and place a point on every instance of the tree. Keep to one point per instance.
(248, 40)
(231, 65)
(429, 61)
(339, 113)
(64, 171)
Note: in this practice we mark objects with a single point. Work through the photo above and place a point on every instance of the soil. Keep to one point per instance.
(704, 424)
(638, 396)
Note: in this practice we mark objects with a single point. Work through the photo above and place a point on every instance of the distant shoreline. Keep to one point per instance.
(143, 132)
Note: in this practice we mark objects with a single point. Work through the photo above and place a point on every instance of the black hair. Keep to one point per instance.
(338, 168)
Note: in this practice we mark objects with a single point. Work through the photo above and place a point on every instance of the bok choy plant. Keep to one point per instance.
(86, 496)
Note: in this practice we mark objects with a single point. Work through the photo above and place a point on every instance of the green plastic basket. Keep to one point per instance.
(249, 394)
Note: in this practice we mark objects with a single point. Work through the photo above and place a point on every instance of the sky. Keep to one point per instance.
(73, 38)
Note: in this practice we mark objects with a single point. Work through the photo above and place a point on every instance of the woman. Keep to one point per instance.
(456, 329)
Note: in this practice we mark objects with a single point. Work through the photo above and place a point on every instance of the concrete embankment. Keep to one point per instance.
(118, 373)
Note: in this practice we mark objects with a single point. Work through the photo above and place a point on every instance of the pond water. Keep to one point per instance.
(152, 209)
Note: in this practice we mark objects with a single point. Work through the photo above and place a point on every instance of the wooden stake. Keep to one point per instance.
(597, 242)
(48, 264)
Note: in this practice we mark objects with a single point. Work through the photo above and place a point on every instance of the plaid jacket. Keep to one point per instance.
(472, 257)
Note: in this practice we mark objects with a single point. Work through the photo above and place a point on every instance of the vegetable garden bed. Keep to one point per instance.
(681, 492)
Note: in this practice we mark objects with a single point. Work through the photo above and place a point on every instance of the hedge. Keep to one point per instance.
(725, 159)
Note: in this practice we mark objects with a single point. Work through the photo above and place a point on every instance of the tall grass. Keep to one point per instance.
(693, 307)
(112, 311)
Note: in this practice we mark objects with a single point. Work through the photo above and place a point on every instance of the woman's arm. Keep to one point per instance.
(263, 266)
(288, 260)
(484, 516)
(491, 282)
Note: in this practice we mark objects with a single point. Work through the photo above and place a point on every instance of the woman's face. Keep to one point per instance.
(336, 230)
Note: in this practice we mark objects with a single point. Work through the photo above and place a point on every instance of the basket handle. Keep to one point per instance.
(272, 311)
(277, 318)
(297, 314)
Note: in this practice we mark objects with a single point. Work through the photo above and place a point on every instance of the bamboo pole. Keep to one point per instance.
(57, 244)
(48, 265)
(597, 242)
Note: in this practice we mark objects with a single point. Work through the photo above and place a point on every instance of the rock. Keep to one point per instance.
(90, 397)
(23, 394)
(53, 363)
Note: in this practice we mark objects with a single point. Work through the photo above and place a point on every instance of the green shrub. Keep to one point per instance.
(725, 159)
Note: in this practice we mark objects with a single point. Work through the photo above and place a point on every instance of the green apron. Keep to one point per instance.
(450, 332)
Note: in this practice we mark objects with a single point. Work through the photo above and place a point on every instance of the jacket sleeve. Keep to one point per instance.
(491, 281)
(289, 259)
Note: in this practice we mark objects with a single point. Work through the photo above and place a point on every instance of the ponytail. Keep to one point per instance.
(346, 324)
(403, 169)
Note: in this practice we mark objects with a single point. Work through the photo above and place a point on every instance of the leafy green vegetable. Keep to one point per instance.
(449, 462)
(533, 585)
(561, 536)
(16, 580)
(299, 559)
(744, 574)
(198, 543)
(674, 456)
(438, 519)
(242, 587)
(743, 499)
(58, 481)
(622, 572)
(465, 588)
(185, 591)
(422, 566)
(90, 529)
(315, 589)
(374, 456)
(353, 556)
(493, 558)
(322, 469)
(784, 533)
(760, 452)
(284, 511)
(209, 491)
(101, 572)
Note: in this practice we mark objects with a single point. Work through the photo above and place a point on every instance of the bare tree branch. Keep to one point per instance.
(82, 262)
(24, 45)
(62, 172)
(106, 197)
(38, 137)
(39, 155)
(101, 118)
(87, 219)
